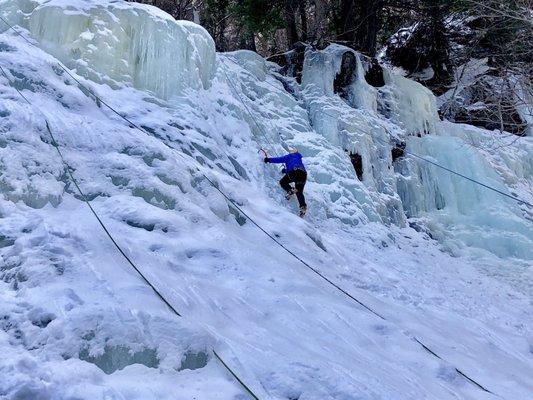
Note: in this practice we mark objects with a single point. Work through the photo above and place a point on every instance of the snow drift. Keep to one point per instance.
(76, 321)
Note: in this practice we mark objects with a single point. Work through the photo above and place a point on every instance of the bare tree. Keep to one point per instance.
(179, 9)
(502, 98)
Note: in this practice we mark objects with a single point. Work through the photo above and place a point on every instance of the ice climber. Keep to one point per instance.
(294, 172)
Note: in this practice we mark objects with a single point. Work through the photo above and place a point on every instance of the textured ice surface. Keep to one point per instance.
(410, 104)
(478, 217)
(114, 42)
(77, 322)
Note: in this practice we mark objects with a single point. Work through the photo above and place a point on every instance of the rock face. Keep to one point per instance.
(487, 102)
(291, 62)
(374, 73)
(473, 87)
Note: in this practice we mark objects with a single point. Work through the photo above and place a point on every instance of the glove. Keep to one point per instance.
(266, 160)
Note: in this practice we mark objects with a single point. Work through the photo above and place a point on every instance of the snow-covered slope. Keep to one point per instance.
(77, 322)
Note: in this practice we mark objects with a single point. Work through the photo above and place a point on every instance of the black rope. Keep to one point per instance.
(248, 390)
(517, 199)
(456, 369)
(109, 235)
(290, 251)
(470, 179)
(134, 125)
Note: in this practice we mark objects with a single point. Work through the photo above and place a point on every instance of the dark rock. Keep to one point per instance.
(486, 104)
(374, 74)
(398, 151)
(291, 62)
(357, 162)
(346, 74)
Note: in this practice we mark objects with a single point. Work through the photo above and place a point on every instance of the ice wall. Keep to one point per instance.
(281, 120)
(352, 125)
(362, 95)
(458, 211)
(326, 120)
(214, 265)
(115, 42)
(454, 210)
(409, 104)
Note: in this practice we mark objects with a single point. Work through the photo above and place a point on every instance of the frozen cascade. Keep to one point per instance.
(77, 322)
(409, 104)
(361, 94)
(115, 42)
(319, 136)
(450, 204)
(467, 213)
(348, 129)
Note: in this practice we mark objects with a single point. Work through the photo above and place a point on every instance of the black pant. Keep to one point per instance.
(299, 177)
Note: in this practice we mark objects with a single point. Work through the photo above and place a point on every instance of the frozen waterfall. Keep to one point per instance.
(440, 258)
(120, 43)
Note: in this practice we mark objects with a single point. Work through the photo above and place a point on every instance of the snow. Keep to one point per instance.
(77, 322)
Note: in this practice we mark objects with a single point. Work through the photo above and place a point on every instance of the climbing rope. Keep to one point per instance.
(87, 202)
(271, 145)
(520, 201)
(353, 298)
(111, 237)
(456, 370)
(248, 390)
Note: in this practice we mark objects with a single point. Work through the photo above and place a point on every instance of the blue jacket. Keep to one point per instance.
(292, 161)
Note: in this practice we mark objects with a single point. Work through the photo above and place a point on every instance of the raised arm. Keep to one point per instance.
(278, 160)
